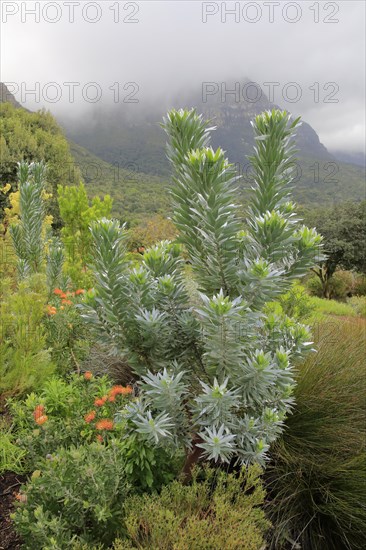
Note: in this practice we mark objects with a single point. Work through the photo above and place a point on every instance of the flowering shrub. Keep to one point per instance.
(65, 413)
(65, 330)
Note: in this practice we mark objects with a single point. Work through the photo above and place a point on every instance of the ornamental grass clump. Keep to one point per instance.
(216, 380)
(316, 479)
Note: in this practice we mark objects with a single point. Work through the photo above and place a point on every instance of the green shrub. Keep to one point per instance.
(219, 511)
(338, 286)
(76, 495)
(297, 302)
(77, 214)
(25, 361)
(66, 413)
(359, 288)
(358, 304)
(148, 466)
(316, 479)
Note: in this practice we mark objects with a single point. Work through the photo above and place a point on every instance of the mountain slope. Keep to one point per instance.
(135, 195)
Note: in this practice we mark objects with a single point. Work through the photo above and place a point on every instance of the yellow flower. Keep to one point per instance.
(6, 188)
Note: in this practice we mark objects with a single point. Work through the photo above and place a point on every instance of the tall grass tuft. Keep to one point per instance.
(317, 476)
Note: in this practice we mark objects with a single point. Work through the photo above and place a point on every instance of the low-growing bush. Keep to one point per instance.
(316, 478)
(358, 304)
(77, 495)
(219, 511)
(65, 413)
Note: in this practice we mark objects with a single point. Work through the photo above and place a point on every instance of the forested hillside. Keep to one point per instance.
(34, 137)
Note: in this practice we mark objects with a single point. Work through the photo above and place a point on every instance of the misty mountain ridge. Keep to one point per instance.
(357, 158)
(119, 138)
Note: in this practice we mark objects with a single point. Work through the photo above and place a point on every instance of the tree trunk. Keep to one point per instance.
(192, 459)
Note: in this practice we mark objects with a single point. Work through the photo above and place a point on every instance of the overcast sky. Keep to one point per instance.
(315, 51)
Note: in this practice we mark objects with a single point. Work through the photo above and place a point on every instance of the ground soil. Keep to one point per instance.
(9, 486)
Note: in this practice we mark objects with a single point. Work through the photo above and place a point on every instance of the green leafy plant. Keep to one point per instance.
(77, 215)
(11, 456)
(149, 467)
(295, 303)
(216, 380)
(217, 510)
(77, 495)
(316, 478)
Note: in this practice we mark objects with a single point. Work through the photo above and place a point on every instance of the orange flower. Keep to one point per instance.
(38, 411)
(41, 419)
(89, 417)
(111, 398)
(58, 291)
(79, 291)
(21, 497)
(99, 402)
(63, 295)
(51, 310)
(66, 302)
(88, 375)
(104, 424)
(99, 438)
(122, 390)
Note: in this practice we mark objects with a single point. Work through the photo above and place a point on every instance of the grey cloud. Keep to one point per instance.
(170, 49)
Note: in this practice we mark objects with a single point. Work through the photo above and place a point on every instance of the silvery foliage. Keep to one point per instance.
(35, 247)
(217, 375)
